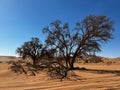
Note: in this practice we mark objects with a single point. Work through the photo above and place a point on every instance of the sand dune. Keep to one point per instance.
(91, 79)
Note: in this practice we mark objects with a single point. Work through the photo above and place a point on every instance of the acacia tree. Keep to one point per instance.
(31, 49)
(85, 38)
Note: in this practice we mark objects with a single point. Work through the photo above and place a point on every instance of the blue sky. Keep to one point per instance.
(22, 19)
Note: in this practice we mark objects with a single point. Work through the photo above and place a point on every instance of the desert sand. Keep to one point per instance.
(99, 76)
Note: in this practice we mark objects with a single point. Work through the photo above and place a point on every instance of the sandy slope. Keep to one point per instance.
(87, 79)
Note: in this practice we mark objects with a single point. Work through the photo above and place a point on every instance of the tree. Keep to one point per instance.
(85, 38)
(31, 49)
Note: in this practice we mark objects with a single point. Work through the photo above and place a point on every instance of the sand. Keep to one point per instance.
(91, 79)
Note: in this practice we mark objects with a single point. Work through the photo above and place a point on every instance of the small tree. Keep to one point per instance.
(85, 38)
(31, 49)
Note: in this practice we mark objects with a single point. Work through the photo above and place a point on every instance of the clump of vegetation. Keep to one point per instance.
(57, 70)
(17, 67)
(21, 67)
(110, 62)
(93, 59)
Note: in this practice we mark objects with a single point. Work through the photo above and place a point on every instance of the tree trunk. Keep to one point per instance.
(66, 63)
(72, 64)
(34, 62)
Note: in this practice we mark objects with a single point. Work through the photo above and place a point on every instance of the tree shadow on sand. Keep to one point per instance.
(21, 67)
(99, 71)
(54, 70)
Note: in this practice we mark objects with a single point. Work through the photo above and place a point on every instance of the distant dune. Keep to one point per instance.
(7, 58)
(11, 58)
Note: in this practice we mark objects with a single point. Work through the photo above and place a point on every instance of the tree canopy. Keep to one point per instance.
(85, 38)
(31, 49)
